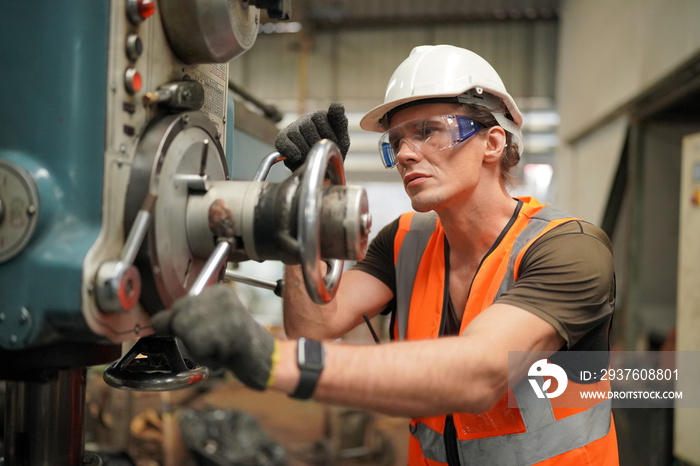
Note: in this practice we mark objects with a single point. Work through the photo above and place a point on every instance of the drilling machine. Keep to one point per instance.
(117, 198)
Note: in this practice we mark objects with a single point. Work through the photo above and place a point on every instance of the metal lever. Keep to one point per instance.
(177, 96)
(276, 287)
(118, 283)
(211, 268)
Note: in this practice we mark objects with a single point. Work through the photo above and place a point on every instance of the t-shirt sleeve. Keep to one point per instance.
(379, 260)
(567, 278)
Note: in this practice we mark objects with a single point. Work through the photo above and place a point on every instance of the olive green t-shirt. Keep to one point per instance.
(566, 277)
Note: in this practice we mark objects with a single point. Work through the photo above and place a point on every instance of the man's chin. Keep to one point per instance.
(419, 206)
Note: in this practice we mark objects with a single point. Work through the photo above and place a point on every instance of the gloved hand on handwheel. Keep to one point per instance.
(295, 141)
(218, 331)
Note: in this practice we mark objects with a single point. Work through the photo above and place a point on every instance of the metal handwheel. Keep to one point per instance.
(324, 158)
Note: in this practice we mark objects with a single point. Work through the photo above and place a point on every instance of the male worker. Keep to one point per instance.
(473, 275)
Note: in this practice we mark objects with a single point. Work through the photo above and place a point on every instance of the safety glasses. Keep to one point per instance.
(426, 135)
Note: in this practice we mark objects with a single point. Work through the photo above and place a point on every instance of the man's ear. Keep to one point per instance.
(495, 143)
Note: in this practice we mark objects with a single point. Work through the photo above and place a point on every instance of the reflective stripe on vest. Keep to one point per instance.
(533, 446)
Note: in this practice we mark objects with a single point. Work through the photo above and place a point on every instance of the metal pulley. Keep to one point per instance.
(216, 31)
(209, 31)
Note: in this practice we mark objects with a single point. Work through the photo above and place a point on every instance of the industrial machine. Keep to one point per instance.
(116, 199)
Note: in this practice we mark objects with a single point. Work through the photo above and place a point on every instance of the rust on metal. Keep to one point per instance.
(221, 219)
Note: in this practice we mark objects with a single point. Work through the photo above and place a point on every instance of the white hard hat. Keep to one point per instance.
(446, 71)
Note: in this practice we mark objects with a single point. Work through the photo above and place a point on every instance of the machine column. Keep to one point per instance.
(44, 421)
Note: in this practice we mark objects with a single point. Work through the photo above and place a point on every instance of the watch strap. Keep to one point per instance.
(310, 362)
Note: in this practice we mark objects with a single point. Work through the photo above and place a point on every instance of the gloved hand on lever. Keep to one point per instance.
(295, 141)
(218, 331)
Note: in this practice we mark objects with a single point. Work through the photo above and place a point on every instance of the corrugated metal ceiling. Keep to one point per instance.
(347, 14)
(347, 49)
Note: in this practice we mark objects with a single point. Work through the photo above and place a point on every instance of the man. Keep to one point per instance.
(473, 276)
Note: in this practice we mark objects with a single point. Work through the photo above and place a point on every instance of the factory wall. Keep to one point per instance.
(611, 52)
(627, 94)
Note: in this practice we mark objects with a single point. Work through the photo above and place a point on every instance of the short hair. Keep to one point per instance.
(510, 156)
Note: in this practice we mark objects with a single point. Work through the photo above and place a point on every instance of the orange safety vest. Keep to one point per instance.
(583, 435)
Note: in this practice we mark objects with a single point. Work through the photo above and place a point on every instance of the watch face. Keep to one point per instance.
(310, 354)
(313, 358)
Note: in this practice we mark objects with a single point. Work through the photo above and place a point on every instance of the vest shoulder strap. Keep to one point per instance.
(547, 218)
(410, 254)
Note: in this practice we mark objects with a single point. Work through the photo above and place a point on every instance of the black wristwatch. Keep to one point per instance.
(310, 362)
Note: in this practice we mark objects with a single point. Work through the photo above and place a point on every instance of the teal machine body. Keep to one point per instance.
(85, 83)
(52, 142)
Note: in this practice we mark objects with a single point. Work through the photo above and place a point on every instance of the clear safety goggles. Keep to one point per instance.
(426, 135)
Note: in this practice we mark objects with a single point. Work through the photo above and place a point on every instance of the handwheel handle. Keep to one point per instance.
(162, 366)
(324, 158)
(161, 369)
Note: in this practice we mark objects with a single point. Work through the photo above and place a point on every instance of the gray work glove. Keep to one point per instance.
(295, 141)
(219, 332)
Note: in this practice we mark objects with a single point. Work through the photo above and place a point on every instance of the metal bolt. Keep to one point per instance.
(31, 209)
(129, 288)
(366, 223)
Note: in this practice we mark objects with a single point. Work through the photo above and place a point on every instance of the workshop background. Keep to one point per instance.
(610, 93)
(608, 89)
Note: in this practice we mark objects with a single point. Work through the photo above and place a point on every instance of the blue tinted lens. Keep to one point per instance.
(388, 155)
(467, 127)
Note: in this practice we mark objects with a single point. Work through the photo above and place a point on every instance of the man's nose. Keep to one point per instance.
(407, 152)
